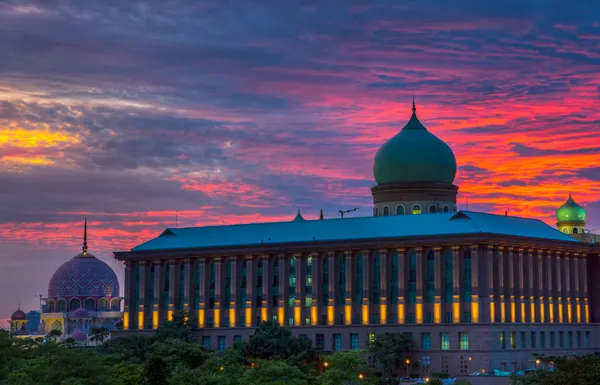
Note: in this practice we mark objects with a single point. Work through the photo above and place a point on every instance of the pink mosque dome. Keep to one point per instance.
(81, 313)
(18, 315)
(79, 335)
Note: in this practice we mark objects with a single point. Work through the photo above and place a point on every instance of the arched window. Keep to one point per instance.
(400, 210)
(575, 231)
(446, 209)
(432, 209)
(386, 211)
(102, 304)
(61, 306)
(50, 307)
(56, 325)
(89, 304)
(115, 305)
(74, 304)
(375, 211)
(416, 209)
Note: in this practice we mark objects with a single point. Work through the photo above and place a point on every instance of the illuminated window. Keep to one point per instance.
(400, 210)
(445, 341)
(432, 209)
(425, 341)
(513, 340)
(353, 341)
(372, 337)
(463, 341)
(337, 342)
(308, 285)
(416, 209)
(292, 285)
(502, 340)
(386, 211)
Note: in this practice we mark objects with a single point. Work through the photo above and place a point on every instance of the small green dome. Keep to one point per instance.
(414, 155)
(570, 211)
(298, 217)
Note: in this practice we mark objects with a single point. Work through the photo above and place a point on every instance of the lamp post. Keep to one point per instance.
(407, 363)
(537, 364)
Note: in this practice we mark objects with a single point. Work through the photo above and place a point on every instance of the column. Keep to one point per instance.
(576, 279)
(501, 289)
(490, 313)
(400, 254)
(520, 284)
(540, 285)
(383, 288)
(283, 287)
(437, 286)
(265, 305)
(203, 298)
(558, 287)
(189, 282)
(511, 283)
(316, 288)
(157, 295)
(142, 301)
(128, 295)
(419, 285)
(567, 312)
(300, 280)
(584, 289)
(366, 295)
(218, 291)
(250, 284)
(548, 288)
(348, 308)
(456, 284)
(332, 299)
(172, 288)
(475, 305)
(233, 301)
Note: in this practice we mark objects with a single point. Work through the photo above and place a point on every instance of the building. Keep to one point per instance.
(18, 322)
(33, 321)
(83, 293)
(476, 291)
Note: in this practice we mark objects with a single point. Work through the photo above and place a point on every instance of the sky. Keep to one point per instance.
(242, 111)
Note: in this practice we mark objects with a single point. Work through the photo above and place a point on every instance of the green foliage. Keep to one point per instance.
(389, 350)
(346, 367)
(176, 352)
(99, 335)
(274, 373)
(54, 334)
(125, 373)
(577, 370)
(134, 348)
(155, 371)
(436, 381)
(178, 328)
(440, 375)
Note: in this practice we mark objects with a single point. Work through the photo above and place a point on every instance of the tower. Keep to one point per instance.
(570, 217)
(414, 171)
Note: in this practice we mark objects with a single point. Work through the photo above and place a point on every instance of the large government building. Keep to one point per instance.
(475, 291)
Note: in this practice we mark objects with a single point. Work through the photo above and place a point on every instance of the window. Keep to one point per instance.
(237, 339)
(259, 282)
(375, 211)
(432, 209)
(394, 286)
(412, 277)
(358, 281)
(211, 282)
(551, 339)
(532, 340)
(376, 279)
(308, 300)
(570, 339)
(197, 285)
(292, 285)
(386, 211)
(425, 341)
(575, 231)
(342, 281)
(337, 342)
(430, 277)
(448, 283)
(542, 340)
(181, 288)
(587, 339)
(513, 340)
(446, 209)
(353, 341)
(325, 280)
(561, 339)
(221, 343)
(502, 340)
(320, 341)
(523, 340)
(463, 341)
(448, 317)
(372, 337)
(400, 210)
(429, 318)
(227, 297)
(579, 339)
(206, 342)
(445, 341)
(416, 209)
(167, 282)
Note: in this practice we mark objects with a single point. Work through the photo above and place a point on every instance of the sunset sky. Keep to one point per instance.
(244, 111)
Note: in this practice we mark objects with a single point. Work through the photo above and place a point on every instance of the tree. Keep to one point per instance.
(272, 342)
(578, 370)
(346, 368)
(176, 352)
(133, 348)
(389, 350)
(99, 335)
(155, 371)
(274, 373)
(125, 373)
(54, 334)
(177, 328)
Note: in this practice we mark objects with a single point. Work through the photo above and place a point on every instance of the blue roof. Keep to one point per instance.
(347, 229)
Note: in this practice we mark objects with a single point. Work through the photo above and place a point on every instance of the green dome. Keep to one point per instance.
(414, 155)
(570, 211)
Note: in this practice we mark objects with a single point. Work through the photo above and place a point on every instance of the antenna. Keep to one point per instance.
(342, 212)
(176, 218)
(85, 246)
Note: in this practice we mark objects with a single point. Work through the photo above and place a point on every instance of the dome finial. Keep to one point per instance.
(85, 246)
(414, 108)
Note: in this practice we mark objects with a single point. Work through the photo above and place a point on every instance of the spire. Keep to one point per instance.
(299, 217)
(321, 214)
(414, 108)
(85, 246)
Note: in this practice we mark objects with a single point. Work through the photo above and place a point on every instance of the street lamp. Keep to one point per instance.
(537, 364)
(360, 376)
(407, 362)
(325, 364)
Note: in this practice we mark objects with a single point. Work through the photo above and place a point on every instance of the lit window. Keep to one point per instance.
(353, 341)
(426, 341)
(513, 340)
(372, 337)
(502, 340)
(337, 342)
(445, 341)
(463, 341)
(416, 209)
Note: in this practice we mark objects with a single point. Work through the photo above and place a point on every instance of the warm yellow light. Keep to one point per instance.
(569, 312)
(365, 314)
(407, 361)
(221, 368)
(314, 315)
(578, 311)
(560, 312)
(523, 310)
(537, 362)
(400, 313)
(383, 314)
(140, 320)
(263, 314)
(348, 314)
(542, 311)
(419, 313)
(248, 316)
(437, 313)
(513, 311)
(532, 309)
(470, 359)
(325, 364)
(217, 317)
(125, 320)
(426, 379)
(360, 376)
(587, 313)
(201, 318)
(551, 312)
(474, 309)
(297, 320)
(281, 316)
(170, 315)
(502, 311)
(232, 317)
(330, 315)
(455, 312)
(492, 310)
(155, 319)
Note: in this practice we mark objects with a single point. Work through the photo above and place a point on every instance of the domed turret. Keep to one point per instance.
(415, 172)
(414, 155)
(18, 315)
(570, 217)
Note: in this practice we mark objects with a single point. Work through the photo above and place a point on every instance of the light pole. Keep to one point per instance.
(407, 363)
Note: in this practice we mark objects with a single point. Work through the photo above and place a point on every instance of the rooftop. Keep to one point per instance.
(347, 229)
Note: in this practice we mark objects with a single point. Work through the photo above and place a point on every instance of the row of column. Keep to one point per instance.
(470, 284)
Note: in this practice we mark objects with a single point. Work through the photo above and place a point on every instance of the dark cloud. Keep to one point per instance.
(591, 173)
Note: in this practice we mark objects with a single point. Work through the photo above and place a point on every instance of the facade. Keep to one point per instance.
(475, 291)
(18, 322)
(33, 321)
(83, 294)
